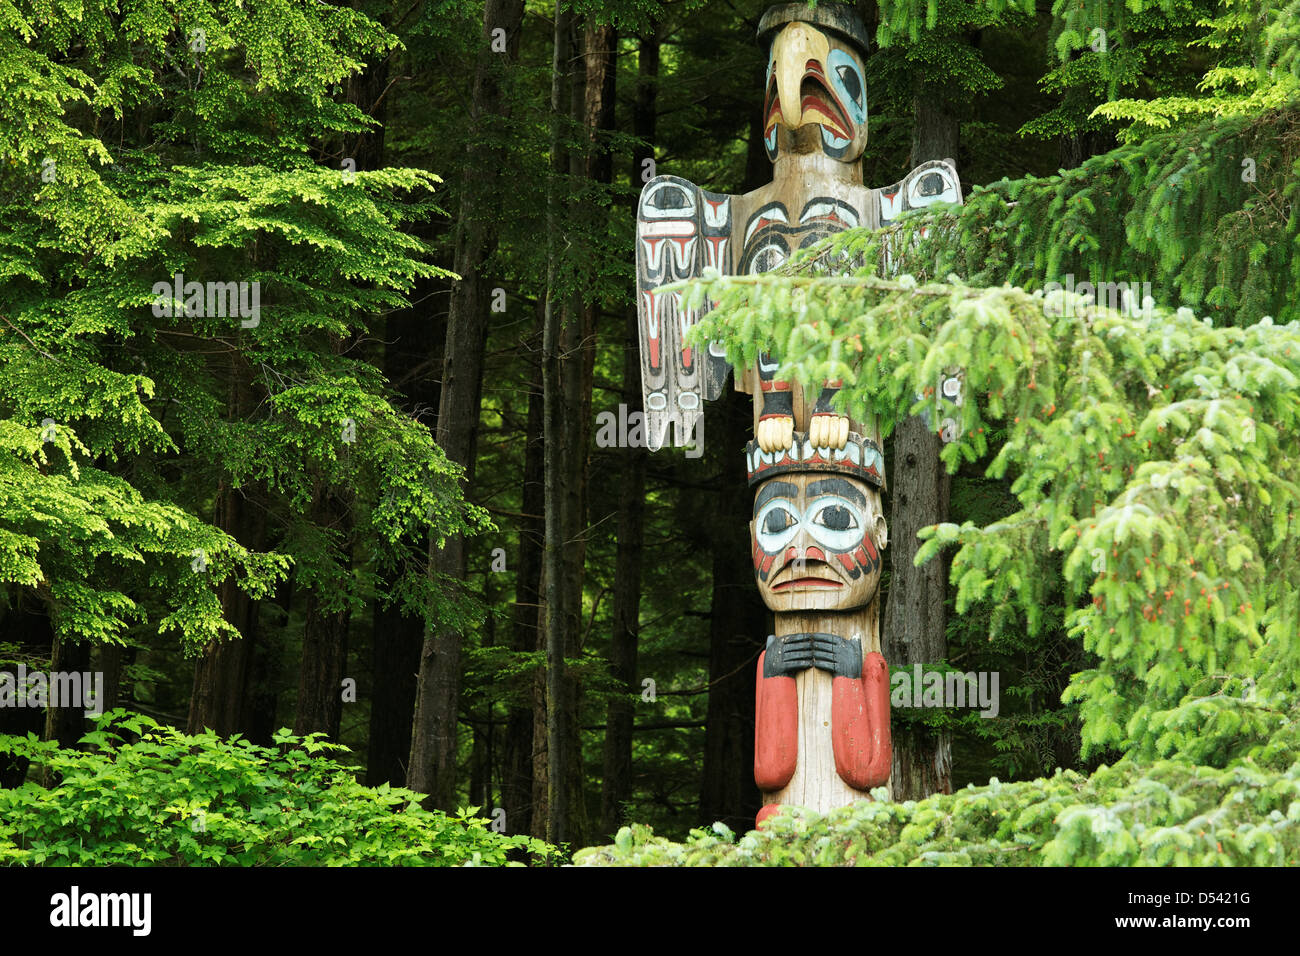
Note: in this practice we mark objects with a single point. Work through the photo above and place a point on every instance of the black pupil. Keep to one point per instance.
(777, 521)
(851, 83)
(837, 518)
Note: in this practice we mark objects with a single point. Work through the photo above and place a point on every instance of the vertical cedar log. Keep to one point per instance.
(432, 767)
(575, 353)
(517, 779)
(592, 108)
(554, 565)
(616, 779)
(915, 610)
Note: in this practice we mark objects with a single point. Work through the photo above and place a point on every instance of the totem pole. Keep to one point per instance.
(818, 530)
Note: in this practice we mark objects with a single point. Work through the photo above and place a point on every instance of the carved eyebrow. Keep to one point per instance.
(837, 486)
(775, 489)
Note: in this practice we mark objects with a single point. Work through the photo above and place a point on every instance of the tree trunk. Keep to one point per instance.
(517, 783)
(616, 786)
(413, 342)
(395, 650)
(616, 781)
(738, 626)
(25, 622)
(222, 692)
(434, 732)
(66, 724)
(323, 664)
(555, 565)
(915, 610)
(738, 620)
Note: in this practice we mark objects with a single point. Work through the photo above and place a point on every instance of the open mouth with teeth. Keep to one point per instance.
(819, 106)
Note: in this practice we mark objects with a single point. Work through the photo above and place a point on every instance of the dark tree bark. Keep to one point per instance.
(558, 502)
(110, 664)
(915, 611)
(64, 724)
(616, 781)
(434, 734)
(738, 626)
(395, 656)
(414, 345)
(411, 339)
(517, 784)
(324, 639)
(738, 620)
(25, 622)
(222, 697)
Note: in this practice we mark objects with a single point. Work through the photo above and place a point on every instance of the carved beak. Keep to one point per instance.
(797, 50)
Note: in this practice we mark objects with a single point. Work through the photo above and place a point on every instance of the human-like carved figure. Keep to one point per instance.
(822, 719)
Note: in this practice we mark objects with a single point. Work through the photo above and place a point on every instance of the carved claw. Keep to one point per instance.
(775, 433)
(828, 430)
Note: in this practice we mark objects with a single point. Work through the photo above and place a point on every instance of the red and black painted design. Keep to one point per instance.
(776, 729)
(860, 725)
(860, 737)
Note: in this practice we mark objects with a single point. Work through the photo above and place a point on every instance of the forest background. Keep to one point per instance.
(383, 507)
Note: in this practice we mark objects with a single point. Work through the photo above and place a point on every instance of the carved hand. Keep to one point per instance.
(788, 655)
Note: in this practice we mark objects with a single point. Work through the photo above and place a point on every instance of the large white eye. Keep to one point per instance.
(775, 526)
(835, 522)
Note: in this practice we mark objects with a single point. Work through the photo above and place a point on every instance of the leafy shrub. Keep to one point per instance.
(1172, 812)
(140, 793)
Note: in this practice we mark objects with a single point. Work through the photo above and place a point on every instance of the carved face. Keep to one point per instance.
(817, 540)
(815, 79)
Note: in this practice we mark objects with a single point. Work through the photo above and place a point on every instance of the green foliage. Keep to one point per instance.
(197, 138)
(1150, 451)
(142, 794)
(1166, 814)
(1177, 211)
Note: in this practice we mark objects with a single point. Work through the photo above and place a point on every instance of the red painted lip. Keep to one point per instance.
(807, 583)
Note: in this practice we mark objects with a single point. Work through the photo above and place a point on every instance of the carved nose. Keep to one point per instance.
(810, 554)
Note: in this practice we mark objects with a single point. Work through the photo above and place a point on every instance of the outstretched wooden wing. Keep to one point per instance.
(929, 183)
(681, 230)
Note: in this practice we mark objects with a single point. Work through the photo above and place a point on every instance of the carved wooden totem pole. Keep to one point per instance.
(822, 723)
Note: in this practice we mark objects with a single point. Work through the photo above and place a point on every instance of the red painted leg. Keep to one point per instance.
(776, 730)
(766, 812)
(860, 725)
